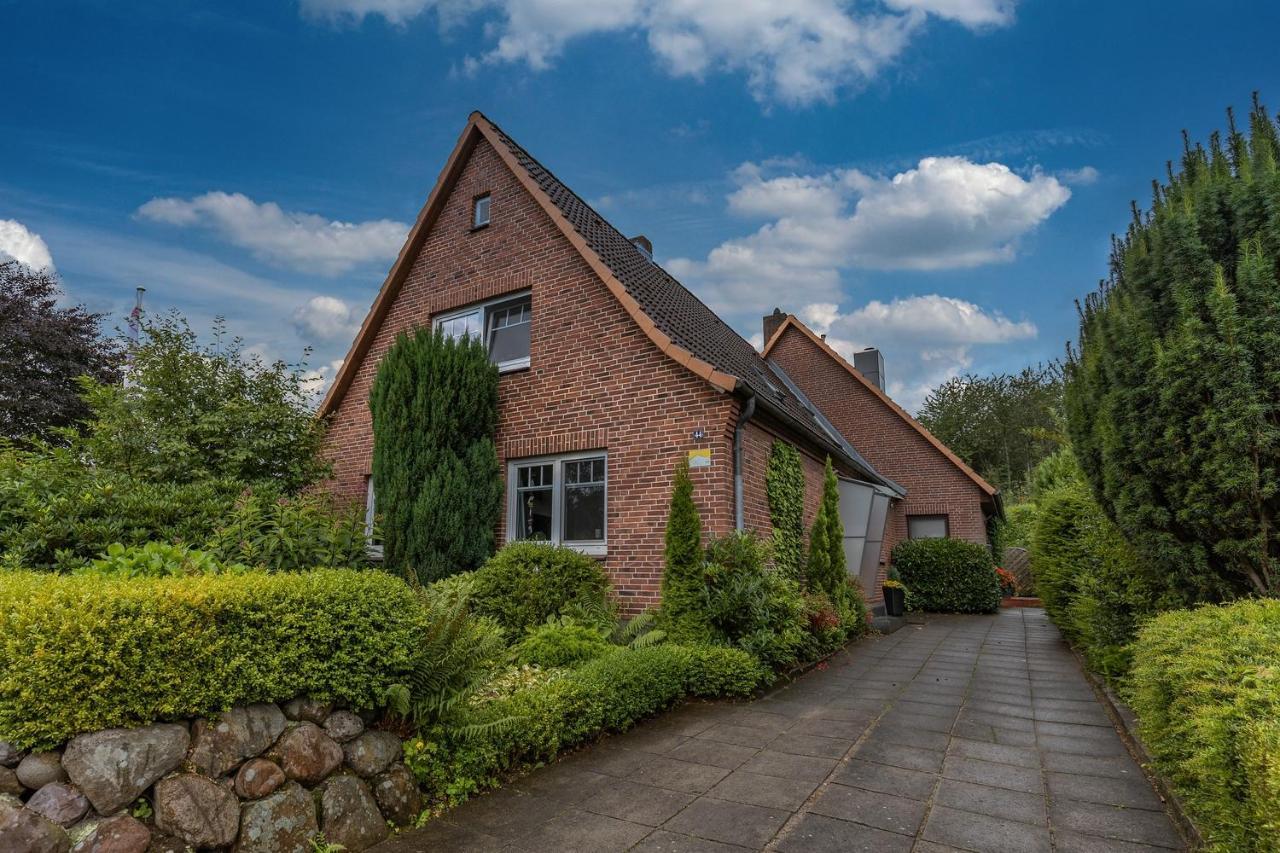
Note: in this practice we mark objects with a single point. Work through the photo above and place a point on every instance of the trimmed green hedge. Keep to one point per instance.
(948, 575)
(565, 707)
(86, 652)
(1205, 684)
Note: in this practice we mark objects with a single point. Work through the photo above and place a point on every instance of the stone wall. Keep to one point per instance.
(262, 777)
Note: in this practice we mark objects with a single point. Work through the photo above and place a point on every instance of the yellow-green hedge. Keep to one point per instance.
(1205, 684)
(80, 653)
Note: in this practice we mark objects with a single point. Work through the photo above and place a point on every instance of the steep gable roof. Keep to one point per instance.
(792, 322)
(675, 320)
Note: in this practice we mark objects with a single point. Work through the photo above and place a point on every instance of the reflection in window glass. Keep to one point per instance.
(534, 498)
(927, 527)
(471, 324)
(584, 500)
(481, 217)
(509, 332)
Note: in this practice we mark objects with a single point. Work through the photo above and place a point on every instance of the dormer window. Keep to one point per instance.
(480, 212)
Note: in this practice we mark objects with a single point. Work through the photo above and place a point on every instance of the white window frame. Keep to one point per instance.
(370, 514)
(485, 310)
(595, 548)
(476, 222)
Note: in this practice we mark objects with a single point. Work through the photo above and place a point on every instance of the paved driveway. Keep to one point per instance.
(966, 733)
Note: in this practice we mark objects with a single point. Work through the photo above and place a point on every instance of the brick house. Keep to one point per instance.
(944, 496)
(610, 370)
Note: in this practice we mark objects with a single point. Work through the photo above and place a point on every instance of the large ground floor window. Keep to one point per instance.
(559, 499)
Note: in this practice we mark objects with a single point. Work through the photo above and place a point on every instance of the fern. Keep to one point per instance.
(639, 632)
(455, 656)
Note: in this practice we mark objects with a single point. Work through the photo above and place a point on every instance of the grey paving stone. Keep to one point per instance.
(914, 784)
(996, 802)
(1100, 731)
(1144, 827)
(897, 755)
(1113, 766)
(662, 841)
(847, 729)
(636, 803)
(566, 783)
(676, 775)
(1025, 779)
(614, 761)
(651, 739)
(714, 753)
(738, 735)
(1132, 792)
(1018, 755)
(802, 767)
(728, 822)
(905, 735)
(576, 830)
(983, 833)
(805, 744)
(883, 811)
(1110, 747)
(814, 833)
(1074, 842)
(755, 789)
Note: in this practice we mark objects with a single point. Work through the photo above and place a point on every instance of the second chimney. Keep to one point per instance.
(772, 322)
(870, 363)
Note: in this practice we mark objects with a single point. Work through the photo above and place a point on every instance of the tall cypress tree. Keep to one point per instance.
(684, 585)
(436, 476)
(1171, 394)
(827, 563)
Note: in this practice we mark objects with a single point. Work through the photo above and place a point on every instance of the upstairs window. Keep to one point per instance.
(503, 324)
(480, 212)
(560, 499)
(927, 527)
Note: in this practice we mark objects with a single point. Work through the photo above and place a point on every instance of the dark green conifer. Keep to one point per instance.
(436, 475)
(684, 588)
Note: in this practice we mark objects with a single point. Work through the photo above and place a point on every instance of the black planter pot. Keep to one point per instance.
(895, 598)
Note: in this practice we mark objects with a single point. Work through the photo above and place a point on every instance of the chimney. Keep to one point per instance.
(644, 244)
(772, 322)
(870, 363)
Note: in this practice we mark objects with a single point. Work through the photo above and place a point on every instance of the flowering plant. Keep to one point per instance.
(1008, 583)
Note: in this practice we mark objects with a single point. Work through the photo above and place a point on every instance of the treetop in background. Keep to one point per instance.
(43, 349)
(1171, 395)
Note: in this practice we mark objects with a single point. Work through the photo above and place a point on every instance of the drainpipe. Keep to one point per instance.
(744, 415)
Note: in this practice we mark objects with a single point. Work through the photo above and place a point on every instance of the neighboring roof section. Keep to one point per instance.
(675, 320)
(791, 322)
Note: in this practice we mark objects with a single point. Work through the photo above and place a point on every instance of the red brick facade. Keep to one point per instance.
(596, 382)
(935, 484)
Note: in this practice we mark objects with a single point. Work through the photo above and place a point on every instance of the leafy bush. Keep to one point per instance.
(454, 589)
(56, 512)
(1017, 526)
(561, 642)
(86, 652)
(684, 591)
(434, 404)
(291, 534)
(156, 560)
(948, 575)
(1205, 684)
(750, 605)
(191, 413)
(527, 583)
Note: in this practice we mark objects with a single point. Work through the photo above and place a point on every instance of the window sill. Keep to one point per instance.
(475, 228)
(514, 366)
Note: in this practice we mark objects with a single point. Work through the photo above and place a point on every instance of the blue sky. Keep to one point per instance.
(939, 178)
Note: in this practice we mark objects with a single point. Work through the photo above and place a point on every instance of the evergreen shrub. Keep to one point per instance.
(684, 589)
(85, 652)
(948, 575)
(1205, 685)
(561, 642)
(527, 583)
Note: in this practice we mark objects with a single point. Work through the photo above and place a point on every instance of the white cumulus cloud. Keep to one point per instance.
(946, 213)
(796, 52)
(925, 339)
(326, 318)
(302, 241)
(23, 245)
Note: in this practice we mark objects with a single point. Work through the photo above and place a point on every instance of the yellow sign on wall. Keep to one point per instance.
(700, 458)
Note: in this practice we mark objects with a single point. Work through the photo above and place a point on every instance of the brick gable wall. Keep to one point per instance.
(935, 486)
(595, 381)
